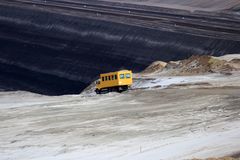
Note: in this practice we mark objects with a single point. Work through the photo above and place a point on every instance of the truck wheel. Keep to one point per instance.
(98, 91)
(119, 89)
(122, 89)
(125, 88)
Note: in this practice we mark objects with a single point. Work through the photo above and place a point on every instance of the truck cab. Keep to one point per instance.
(114, 81)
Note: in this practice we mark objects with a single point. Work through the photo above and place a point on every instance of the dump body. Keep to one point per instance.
(115, 80)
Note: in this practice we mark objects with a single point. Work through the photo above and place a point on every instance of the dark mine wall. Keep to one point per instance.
(56, 54)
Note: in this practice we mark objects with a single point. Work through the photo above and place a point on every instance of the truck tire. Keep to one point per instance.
(98, 91)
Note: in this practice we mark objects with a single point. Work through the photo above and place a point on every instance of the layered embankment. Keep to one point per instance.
(59, 47)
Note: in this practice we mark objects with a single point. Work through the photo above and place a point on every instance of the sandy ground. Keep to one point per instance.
(152, 81)
(154, 123)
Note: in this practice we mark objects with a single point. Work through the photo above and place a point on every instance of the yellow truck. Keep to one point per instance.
(114, 81)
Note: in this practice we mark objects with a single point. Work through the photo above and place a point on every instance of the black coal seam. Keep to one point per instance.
(23, 79)
(85, 56)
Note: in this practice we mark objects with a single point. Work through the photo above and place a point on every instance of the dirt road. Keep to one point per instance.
(152, 124)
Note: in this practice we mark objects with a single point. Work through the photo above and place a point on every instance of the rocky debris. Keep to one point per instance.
(172, 64)
(155, 67)
(235, 63)
(196, 64)
(90, 89)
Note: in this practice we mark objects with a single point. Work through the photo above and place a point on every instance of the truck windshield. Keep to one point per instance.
(128, 75)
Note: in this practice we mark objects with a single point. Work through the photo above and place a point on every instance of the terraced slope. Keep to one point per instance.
(59, 47)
